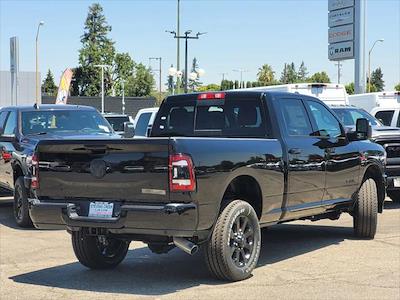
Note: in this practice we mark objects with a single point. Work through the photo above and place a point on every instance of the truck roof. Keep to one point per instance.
(48, 107)
(243, 94)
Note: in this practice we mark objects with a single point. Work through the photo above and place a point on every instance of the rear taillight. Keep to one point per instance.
(35, 172)
(181, 173)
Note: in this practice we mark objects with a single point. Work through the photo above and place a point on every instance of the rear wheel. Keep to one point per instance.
(21, 206)
(365, 214)
(234, 247)
(394, 195)
(98, 252)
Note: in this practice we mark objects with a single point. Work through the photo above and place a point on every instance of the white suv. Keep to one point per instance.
(144, 121)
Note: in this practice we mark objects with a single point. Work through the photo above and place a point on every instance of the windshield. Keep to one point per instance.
(349, 116)
(117, 123)
(74, 121)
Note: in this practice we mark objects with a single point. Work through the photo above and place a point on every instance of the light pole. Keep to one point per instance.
(123, 95)
(241, 75)
(41, 23)
(102, 84)
(369, 63)
(159, 60)
(187, 37)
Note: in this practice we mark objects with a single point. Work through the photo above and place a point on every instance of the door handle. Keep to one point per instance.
(295, 151)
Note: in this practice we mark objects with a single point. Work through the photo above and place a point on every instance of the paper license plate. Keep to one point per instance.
(101, 210)
(396, 182)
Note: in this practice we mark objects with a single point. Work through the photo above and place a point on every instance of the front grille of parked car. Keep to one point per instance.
(393, 151)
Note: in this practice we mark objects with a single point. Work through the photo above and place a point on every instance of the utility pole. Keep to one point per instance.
(102, 85)
(223, 75)
(187, 37)
(159, 61)
(241, 71)
(339, 70)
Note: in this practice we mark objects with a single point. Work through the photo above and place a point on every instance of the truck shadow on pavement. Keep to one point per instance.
(391, 205)
(145, 273)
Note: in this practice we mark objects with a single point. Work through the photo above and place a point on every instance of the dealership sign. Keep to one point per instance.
(341, 34)
(341, 17)
(341, 29)
(341, 51)
(339, 4)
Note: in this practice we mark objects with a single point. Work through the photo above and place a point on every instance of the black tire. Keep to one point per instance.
(21, 205)
(229, 256)
(394, 195)
(98, 252)
(365, 215)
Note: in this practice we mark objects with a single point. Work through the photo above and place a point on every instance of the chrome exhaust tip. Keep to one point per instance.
(186, 245)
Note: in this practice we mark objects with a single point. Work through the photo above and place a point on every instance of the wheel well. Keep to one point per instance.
(375, 173)
(17, 172)
(247, 189)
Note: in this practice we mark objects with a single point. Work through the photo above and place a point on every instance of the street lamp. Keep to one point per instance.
(174, 72)
(123, 95)
(159, 60)
(41, 23)
(102, 84)
(187, 37)
(369, 63)
(241, 71)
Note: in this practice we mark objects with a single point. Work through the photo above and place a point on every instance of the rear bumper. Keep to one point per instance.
(171, 219)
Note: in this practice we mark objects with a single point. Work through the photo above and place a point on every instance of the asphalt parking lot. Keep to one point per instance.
(300, 260)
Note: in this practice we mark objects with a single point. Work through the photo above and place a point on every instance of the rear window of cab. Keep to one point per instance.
(231, 118)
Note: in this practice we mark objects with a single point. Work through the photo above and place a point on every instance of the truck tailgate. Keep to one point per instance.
(124, 170)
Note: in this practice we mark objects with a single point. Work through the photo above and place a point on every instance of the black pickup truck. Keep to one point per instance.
(21, 129)
(217, 167)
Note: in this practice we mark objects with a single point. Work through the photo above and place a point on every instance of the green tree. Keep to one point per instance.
(320, 77)
(302, 73)
(97, 48)
(194, 83)
(377, 80)
(397, 87)
(289, 74)
(141, 83)
(48, 86)
(265, 75)
(122, 70)
(350, 88)
(209, 87)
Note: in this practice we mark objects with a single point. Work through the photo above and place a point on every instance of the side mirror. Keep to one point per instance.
(129, 130)
(363, 129)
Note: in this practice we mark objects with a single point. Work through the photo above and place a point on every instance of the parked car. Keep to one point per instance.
(217, 167)
(389, 116)
(23, 127)
(381, 100)
(388, 137)
(120, 123)
(144, 121)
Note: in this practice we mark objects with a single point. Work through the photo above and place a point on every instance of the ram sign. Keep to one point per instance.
(340, 51)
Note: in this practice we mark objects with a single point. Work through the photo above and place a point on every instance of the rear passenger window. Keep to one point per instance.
(385, 116)
(295, 117)
(11, 123)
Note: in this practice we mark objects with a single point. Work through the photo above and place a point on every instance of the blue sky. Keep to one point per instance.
(240, 34)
